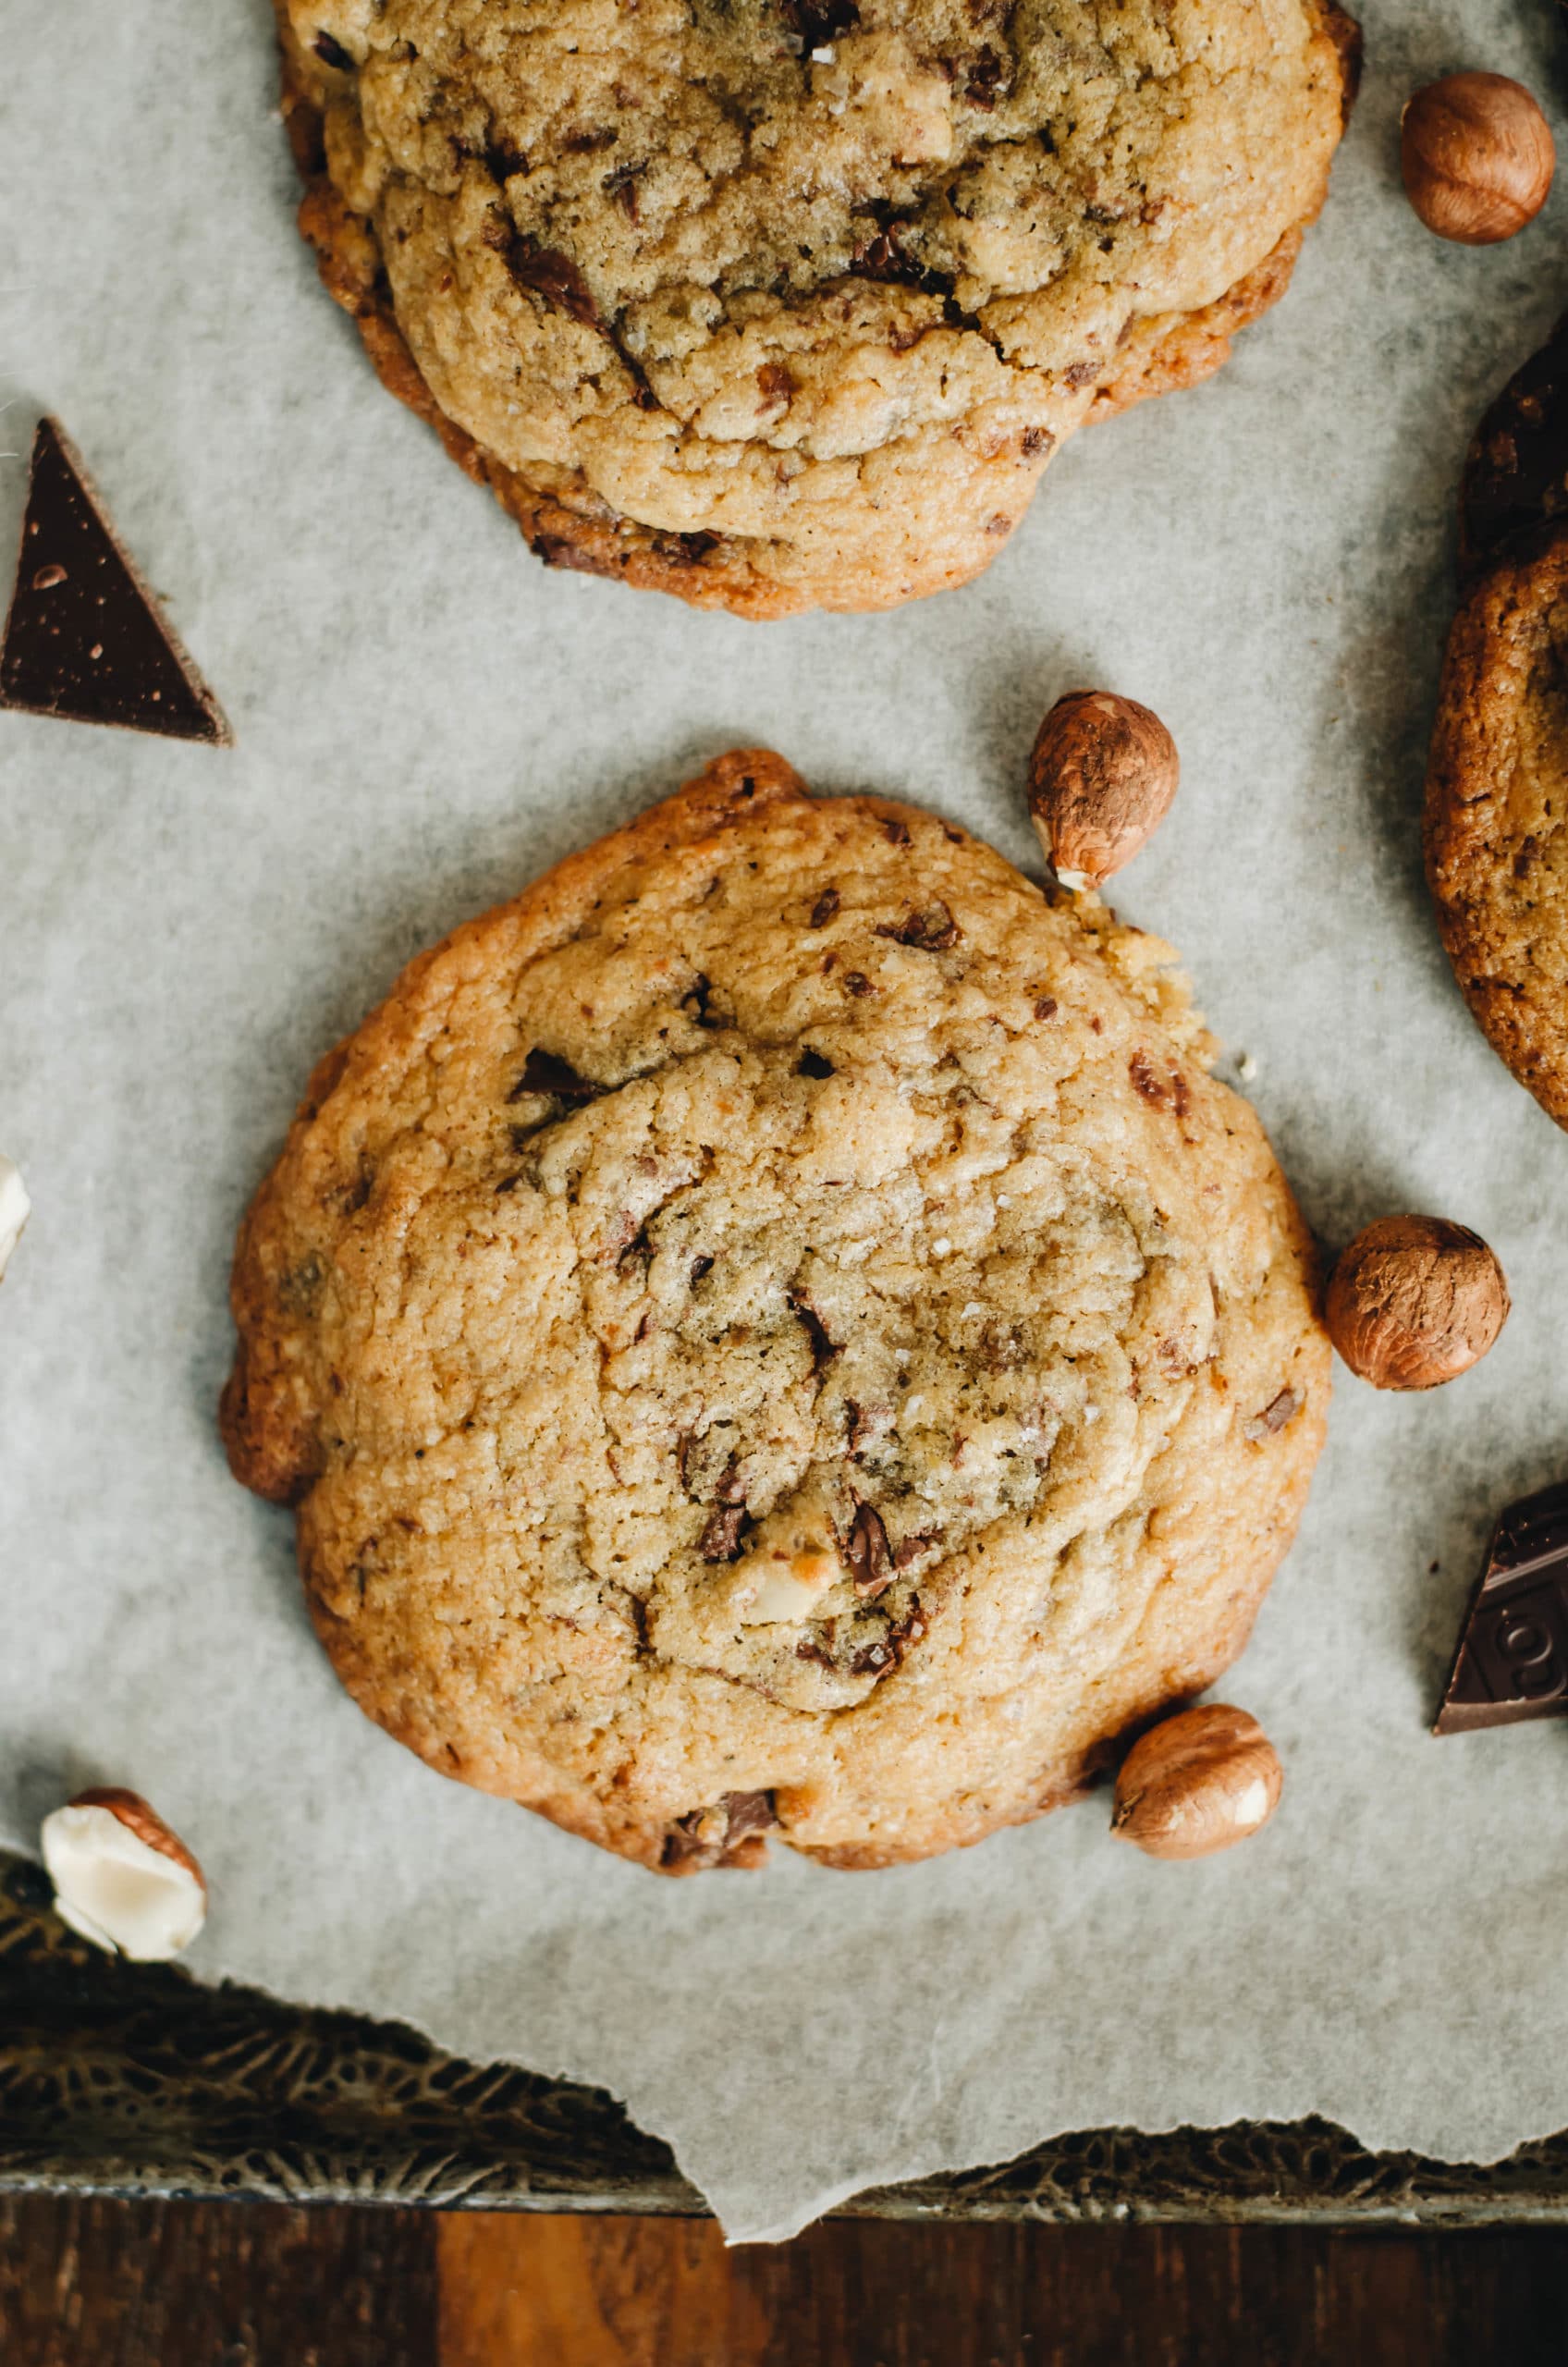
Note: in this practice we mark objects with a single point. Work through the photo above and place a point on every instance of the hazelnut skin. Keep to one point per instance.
(1197, 1784)
(1477, 157)
(139, 1817)
(1415, 1301)
(1102, 774)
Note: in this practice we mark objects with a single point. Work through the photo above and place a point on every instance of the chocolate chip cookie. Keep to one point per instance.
(779, 304)
(777, 1330)
(1497, 782)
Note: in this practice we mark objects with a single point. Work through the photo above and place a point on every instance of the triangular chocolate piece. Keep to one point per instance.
(1512, 1657)
(85, 638)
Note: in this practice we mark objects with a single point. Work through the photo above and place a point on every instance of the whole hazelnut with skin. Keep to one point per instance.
(1415, 1301)
(1477, 157)
(1199, 1783)
(1102, 774)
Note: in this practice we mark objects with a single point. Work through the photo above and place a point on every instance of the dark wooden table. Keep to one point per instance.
(102, 2284)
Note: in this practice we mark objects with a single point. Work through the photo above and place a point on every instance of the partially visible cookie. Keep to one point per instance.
(777, 1330)
(1497, 783)
(779, 304)
(1515, 482)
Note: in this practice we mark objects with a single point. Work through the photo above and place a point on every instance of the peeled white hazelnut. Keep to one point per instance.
(785, 1596)
(122, 1879)
(791, 1563)
(1197, 1784)
(15, 1208)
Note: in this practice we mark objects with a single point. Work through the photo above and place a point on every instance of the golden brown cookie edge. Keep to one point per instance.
(572, 527)
(1463, 835)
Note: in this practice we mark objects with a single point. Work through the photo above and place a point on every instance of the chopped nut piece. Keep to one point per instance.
(122, 1879)
(15, 1208)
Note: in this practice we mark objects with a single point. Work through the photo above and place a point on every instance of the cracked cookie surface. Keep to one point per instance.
(784, 303)
(777, 1328)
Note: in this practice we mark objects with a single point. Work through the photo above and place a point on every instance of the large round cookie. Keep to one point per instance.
(785, 303)
(1497, 783)
(777, 1326)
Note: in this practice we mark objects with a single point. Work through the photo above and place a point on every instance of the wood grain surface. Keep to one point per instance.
(242, 2285)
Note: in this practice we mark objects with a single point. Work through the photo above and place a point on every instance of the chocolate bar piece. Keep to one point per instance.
(85, 638)
(1515, 486)
(1512, 1657)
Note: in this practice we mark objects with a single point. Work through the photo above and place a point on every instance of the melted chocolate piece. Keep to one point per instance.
(824, 1347)
(1279, 1411)
(85, 638)
(871, 1562)
(558, 281)
(932, 930)
(720, 1835)
(988, 80)
(545, 272)
(546, 1072)
(720, 1540)
(816, 23)
(749, 1812)
(1512, 1657)
(910, 1547)
(1167, 1092)
(881, 256)
(888, 1651)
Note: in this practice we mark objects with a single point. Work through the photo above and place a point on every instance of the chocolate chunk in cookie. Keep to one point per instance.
(842, 1415)
(1497, 780)
(779, 307)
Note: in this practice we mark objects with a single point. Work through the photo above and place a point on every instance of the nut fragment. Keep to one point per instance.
(1477, 157)
(1102, 774)
(15, 1208)
(791, 1563)
(1198, 1783)
(122, 1878)
(1415, 1301)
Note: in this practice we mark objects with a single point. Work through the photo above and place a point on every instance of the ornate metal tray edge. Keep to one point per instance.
(129, 2080)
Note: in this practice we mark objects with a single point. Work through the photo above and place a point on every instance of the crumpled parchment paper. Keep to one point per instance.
(425, 719)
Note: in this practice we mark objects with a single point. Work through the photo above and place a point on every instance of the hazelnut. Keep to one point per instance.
(791, 1562)
(1477, 157)
(15, 1208)
(122, 1879)
(1415, 1301)
(1102, 774)
(1199, 1781)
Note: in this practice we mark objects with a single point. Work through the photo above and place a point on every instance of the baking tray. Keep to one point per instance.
(134, 2080)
